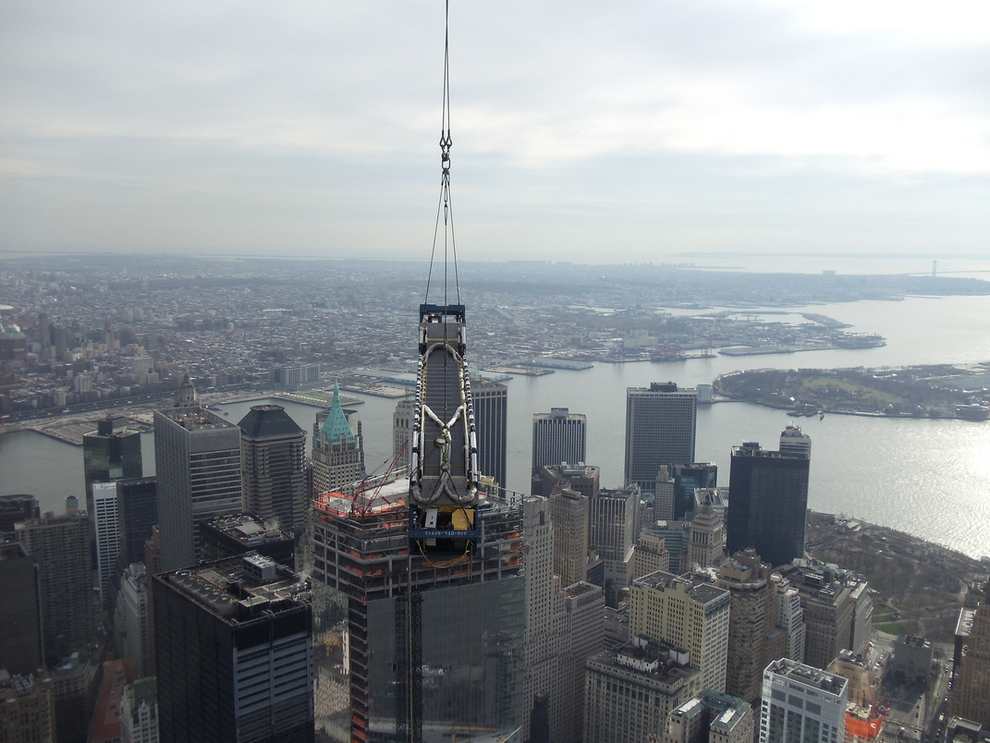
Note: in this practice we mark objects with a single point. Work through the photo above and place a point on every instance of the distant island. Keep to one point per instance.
(928, 391)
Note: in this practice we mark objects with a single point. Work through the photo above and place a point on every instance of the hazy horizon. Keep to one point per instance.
(597, 134)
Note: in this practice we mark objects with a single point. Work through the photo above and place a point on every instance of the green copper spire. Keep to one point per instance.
(336, 424)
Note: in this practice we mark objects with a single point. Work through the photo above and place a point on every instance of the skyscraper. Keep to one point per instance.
(107, 536)
(631, 690)
(971, 677)
(726, 718)
(234, 653)
(132, 620)
(110, 453)
(687, 479)
(802, 703)
(707, 538)
(559, 436)
(60, 546)
(491, 417)
(20, 640)
(569, 514)
(660, 430)
(338, 448)
(691, 616)
(402, 424)
(273, 454)
(471, 655)
(613, 532)
(768, 503)
(584, 636)
(751, 622)
(543, 603)
(137, 512)
(198, 464)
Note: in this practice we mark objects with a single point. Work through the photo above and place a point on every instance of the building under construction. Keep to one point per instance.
(429, 648)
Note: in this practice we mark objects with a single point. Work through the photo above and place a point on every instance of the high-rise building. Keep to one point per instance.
(569, 514)
(650, 555)
(971, 676)
(583, 637)
(676, 537)
(663, 497)
(828, 609)
(581, 478)
(14, 508)
(198, 470)
(338, 448)
(27, 708)
(20, 640)
(768, 503)
(60, 546)
(711, 718)
(613, 532)
(789, 617)
(110, 453)
(273, 455)
(751, 622)
(695, 617)
(470, 656)
(687, 479)
(132, 620)
(139, 712)
(107, 536)
(660, 430)
(630, 691)
(793, 441)
(801, 702)
(492, 422)
(137, 512)
(543, 604)
(559, 436)
(234, 652)
(402, 425)
(229, 536)
(707, 538)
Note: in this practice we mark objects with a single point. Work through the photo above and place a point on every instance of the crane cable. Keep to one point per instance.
(444, 203)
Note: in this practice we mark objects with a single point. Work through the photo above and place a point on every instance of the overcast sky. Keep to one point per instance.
(586, 131)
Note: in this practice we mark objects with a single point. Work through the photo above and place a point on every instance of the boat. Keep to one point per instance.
(973, 412)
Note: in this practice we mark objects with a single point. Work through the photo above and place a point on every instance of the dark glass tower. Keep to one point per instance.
(768, 503)
(234, 653)
(687, 478)
(110, 453)
(137, 512)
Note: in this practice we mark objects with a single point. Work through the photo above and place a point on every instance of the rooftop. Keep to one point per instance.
(240, 589)
(808, 675)
(268, 422)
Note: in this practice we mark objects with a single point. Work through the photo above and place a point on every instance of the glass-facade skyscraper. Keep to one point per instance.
(768, 502)
(110, 453)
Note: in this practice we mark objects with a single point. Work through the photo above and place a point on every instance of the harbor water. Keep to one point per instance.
(929, 478)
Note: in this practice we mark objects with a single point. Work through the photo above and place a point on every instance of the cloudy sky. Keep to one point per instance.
(585, 131)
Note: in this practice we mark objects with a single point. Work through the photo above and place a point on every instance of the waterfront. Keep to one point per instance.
(929, 478)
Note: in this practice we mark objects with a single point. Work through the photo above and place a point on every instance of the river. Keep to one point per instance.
(929, 478)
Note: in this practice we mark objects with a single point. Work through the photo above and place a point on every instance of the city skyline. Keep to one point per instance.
(580, 132)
